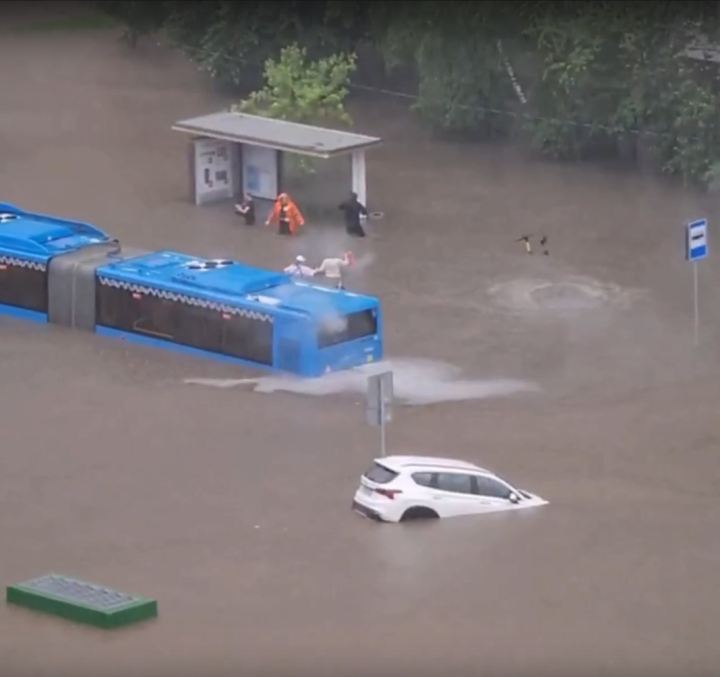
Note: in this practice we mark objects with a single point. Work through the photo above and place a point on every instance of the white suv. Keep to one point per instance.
(399, 488)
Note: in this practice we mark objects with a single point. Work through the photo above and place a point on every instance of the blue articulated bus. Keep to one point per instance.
(236, 312)
(216, 308)
(28, 244)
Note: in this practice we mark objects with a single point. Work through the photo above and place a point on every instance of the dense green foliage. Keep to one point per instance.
(301, 90)
(572, 79)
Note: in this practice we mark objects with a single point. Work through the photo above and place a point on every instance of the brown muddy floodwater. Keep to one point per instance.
(231, 507)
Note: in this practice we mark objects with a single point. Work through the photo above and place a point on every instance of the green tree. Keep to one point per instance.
(232, 41)
(301, 90)
(464, 87)
(672, 98)
(582, 77)
(460, 51)
(576, 94)
(298, 89)
(619, 72)
(683, 117)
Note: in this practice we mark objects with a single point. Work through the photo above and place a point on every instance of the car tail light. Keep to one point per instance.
(388, 493)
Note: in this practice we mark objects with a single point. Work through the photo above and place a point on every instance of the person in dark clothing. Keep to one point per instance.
(246, 209)
(354, 210)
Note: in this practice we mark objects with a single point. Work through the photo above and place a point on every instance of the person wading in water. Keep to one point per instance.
(354, 210)
(246, 209)
(287, 215)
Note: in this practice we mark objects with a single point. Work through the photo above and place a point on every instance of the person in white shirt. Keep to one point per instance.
(298, 268)
(334, 268)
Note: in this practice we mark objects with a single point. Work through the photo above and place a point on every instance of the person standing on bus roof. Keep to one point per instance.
(354, 211)
(334, 268)
(287, 215)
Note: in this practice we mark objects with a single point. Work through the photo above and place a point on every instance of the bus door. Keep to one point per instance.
(291, 343)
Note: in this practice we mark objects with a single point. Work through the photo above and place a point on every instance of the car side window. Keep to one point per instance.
(424, 479)
(455, 482)
(486, 486)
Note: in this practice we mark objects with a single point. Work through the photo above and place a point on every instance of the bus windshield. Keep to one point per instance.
(346, 328)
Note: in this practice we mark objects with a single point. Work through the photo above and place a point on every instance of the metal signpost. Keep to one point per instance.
(696, 248)
(379, 403)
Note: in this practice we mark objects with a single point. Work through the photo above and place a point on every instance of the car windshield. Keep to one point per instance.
(504, 481)
(380, 474)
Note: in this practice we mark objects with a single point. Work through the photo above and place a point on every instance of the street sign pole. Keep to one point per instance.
(696, 248)
(383, 449)
(697, 303)
(379, 404)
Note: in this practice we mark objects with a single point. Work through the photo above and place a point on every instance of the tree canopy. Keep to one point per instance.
(571, 79)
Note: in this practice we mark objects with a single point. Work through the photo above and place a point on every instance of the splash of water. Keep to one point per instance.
(416, 382)
(363, 262)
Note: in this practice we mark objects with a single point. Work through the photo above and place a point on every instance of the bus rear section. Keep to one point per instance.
(320, 330)
(349, 340)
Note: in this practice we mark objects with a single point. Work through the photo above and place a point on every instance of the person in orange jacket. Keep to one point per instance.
(287, 215)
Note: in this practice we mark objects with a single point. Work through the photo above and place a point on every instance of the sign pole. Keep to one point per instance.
(697, 305)
(696, 248)
(382, 419)
(379, 404)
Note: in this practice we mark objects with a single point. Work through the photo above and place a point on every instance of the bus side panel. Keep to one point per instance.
(23, 288)
(244, 335)
(292, 351)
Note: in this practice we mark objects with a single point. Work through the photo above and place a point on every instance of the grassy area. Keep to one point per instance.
(79, 22)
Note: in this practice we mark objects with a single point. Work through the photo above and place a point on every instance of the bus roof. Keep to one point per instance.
(231, 283)
(40, 237)
(181, 273)
(318, 301)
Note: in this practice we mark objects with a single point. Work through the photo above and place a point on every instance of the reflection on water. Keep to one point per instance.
(417, 557)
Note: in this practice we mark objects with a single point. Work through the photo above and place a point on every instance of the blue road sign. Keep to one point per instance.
(696, 247)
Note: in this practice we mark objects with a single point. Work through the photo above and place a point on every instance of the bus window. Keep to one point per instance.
(23, 287)
(348, 328)
(159, 318)
(197, 327)
(138, 313)
(193, 326)
(248, 338)
(153, 317)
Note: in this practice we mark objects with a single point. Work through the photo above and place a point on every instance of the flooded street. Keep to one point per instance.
(226, 494)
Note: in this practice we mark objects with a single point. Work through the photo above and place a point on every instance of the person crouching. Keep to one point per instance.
(298, 268)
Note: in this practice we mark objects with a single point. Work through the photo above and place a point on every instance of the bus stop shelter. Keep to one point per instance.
(234, 153)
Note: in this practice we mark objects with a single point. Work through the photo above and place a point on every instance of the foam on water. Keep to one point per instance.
(416, 382)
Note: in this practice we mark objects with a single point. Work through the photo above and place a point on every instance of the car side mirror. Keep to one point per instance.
(514, 498)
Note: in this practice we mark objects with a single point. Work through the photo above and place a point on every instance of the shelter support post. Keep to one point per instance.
(359, 185)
